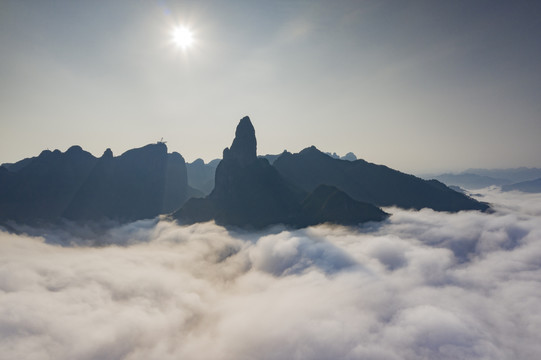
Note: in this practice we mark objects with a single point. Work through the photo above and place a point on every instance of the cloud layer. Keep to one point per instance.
(424, 285)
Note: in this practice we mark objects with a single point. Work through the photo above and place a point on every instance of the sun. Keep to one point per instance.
(182, 37)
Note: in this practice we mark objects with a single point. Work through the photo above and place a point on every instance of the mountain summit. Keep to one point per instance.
(244, 147)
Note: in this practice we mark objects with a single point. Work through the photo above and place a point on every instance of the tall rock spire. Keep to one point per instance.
(244, 147)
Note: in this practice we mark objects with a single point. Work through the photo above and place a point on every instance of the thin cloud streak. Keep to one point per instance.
(423, 285)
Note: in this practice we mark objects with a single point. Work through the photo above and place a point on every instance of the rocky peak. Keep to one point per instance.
(176, 157)
(311, 150)
(74, 149)
(244, 147)
(107, 154)
(198, 162)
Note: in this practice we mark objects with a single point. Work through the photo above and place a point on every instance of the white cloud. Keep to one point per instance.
(424, 285)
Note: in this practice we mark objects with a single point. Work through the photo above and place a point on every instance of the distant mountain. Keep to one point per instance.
(249, 192)
(141, 183)
(201, 175)
(375, 184)
(480, 178)
(270, 157)
(512, 175)
(349, 156)
(470, 181)
(532, 186)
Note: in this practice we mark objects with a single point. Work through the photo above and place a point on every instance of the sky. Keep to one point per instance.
(421, 285)
(420, 86)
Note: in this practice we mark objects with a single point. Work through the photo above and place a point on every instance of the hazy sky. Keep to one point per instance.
(415, 85)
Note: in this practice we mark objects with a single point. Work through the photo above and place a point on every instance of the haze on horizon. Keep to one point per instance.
(418, 86)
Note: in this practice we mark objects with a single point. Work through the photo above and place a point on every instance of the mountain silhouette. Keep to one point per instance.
(42, 187)
(532, 186)
(249, 192)
(243, 189)
(481, 178)
(511, 175)
(201, 175)
(141, 183)
(349, 156)
(375, 184)
(270, 157)
(329, 204)
(470, 180)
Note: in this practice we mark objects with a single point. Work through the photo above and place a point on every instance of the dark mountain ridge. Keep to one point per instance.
(371, 183)
(531, 186)
(140, 183)
(44, 186)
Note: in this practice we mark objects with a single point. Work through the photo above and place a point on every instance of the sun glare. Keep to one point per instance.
(182, 37)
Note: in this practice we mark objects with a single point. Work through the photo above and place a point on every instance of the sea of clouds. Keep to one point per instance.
(422, 285)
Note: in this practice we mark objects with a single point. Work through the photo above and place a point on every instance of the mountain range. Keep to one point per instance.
(531, 186)
(242, 189)
(201, 175)
(480, 178)
(140, 183)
